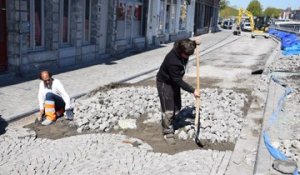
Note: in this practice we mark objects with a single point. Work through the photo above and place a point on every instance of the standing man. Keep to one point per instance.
(53, 99)
(169, 82)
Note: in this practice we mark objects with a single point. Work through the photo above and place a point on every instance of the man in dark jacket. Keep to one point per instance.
(169, 82)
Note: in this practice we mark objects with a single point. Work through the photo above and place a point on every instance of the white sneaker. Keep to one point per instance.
(47, 122)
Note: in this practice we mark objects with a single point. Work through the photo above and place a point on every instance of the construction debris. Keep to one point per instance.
(221, 114)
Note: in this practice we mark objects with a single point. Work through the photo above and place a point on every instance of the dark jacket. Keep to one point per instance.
(172, 71)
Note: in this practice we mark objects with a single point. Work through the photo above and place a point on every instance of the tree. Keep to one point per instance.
(228, 12)
(272, 12)
(255, 8)
(224, 4)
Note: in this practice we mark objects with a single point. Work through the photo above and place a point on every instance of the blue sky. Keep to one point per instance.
(283, 4)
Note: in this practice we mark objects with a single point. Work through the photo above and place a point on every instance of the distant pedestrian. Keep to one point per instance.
(169, 82)
(53, 99)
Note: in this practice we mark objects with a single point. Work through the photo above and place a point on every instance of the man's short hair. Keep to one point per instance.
(49, 73)
(185, 46)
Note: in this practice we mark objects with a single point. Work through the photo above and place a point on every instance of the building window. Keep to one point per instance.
(121, 11)
(170, 20)
(36, 20)
(87, 21)
(183, 15)
(208, 16)
(129, 19)
(137, 21)
(65, 6)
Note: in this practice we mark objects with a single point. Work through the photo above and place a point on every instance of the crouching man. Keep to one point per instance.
(53, 99)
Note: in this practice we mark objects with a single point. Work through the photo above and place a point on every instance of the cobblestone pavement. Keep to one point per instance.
(22, 153)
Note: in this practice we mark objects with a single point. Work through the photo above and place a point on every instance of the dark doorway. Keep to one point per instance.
(3, 36)
(197, 18)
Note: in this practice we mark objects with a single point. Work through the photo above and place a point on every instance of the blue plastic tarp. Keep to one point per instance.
(290, 44)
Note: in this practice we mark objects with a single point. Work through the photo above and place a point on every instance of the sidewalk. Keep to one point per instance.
(20, 99)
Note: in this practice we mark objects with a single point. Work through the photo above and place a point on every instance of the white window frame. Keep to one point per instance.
(32, 44)
(85, 39)
(62, 23)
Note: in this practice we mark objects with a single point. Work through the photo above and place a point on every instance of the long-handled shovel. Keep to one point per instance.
(197, 123)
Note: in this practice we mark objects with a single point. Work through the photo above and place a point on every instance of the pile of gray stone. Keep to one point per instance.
(285, 63)
(105, 109)
(292, 81)
(291, 149)
(221, 114)
(289, 121)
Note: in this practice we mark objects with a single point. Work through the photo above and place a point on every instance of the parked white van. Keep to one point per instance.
(246, 26)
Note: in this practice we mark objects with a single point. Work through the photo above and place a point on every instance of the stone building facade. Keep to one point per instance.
(55, 34)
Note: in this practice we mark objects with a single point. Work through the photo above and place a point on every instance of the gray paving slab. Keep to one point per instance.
(21, 99)
(225, 161)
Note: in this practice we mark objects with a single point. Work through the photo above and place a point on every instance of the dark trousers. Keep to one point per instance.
(58, 101)
(54, 106)
(170, 101)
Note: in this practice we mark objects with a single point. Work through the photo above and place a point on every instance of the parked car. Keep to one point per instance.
(227, 24)
(220, 21)
(246, 26)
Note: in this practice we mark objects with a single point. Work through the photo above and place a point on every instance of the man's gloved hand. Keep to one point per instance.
(196, 93)
(69, 114)
(196, 40)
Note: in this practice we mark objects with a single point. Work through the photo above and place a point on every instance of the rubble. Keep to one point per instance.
(288, 142)
(285, 167)
(291, 148)
(221, 114)
(285, 64)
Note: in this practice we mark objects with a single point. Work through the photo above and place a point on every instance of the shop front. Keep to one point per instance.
(206, 16)
(170, 20)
